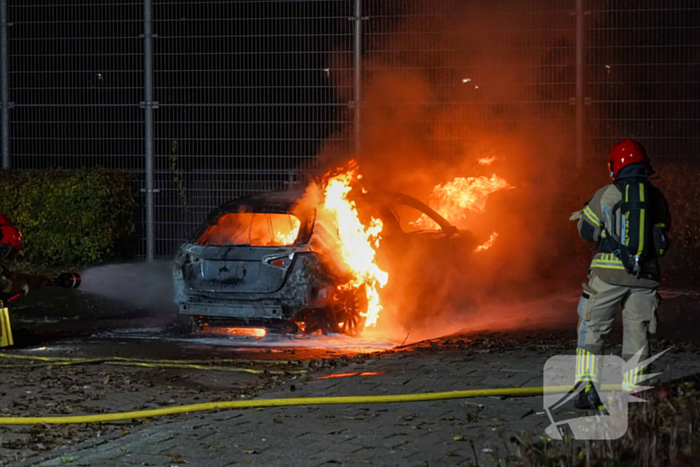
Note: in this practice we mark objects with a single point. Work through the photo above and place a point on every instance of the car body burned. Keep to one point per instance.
(258, 262)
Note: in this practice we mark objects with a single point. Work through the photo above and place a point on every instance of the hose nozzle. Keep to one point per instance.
(67, 280)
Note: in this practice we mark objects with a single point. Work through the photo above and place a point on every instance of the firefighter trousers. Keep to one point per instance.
(596, 312)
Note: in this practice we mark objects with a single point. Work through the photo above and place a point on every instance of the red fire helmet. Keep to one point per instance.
(10, 238)
(625, 153)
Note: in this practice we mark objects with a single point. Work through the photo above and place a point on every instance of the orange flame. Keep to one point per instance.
(489, 243)
(454, 199)
(286, 235)
(487, 160)
(357, 243)
(256, 229)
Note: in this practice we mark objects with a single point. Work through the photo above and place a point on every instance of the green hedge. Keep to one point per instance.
(70, 217)
(681, 186)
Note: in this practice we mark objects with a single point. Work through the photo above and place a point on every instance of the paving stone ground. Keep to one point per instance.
(449, 432)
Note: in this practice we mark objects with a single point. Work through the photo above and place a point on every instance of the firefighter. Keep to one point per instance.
(10, 242)
(628, 220)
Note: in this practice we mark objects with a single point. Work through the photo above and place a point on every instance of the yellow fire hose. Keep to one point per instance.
(122, 361)
(245, 404)
(260, 403)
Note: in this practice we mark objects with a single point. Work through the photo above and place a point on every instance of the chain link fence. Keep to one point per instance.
(245, 100)
(248, 93)
(487, 67)
(643, 69)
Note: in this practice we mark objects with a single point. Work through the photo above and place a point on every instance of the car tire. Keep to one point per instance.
(349, 311)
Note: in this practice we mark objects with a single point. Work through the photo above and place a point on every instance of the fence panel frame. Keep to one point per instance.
(346, 26)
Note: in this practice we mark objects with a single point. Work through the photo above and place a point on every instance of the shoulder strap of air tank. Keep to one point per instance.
(620, 185)
(617, 208)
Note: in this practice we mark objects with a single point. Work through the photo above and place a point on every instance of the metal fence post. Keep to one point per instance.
(358, 74)
(580, 84)
(5, 84)
(148, 106)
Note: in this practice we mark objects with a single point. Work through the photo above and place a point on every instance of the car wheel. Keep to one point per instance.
(349, 310)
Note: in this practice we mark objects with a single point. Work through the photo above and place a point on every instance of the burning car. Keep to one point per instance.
(269, 263)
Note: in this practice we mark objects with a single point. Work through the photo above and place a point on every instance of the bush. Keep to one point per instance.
(681, 186)
(70, 218)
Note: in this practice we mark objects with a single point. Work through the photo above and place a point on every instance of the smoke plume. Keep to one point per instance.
(455, 83)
